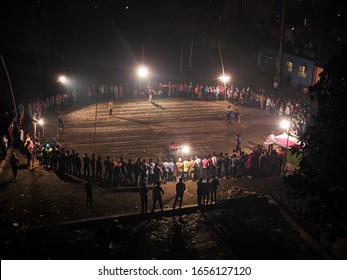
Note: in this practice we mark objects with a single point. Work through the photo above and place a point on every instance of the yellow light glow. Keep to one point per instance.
(142, 72)
(224, 78)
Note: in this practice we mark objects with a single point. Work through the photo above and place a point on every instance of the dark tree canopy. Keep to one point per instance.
(322, 168)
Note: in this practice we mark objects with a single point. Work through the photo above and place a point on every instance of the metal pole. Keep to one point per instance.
(285, 155)
(221, 61)
(96, 116)
(143, 54)
(33, 153)
(10, 85)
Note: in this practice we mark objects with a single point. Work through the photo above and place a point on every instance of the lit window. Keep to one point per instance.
(289, 65)
(307, 22)
(302, 71)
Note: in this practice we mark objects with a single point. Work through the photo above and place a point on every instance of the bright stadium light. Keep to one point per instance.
(142, 72)
(62, 79)
(285, 125)
(224, 78)
(185, 150)
(40, 122)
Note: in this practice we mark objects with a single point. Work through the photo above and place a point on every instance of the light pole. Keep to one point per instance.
(10, 85)
(142, 72)
(96, 117)
(40, 122)
(62, 80)
(224, 79)
(285, 124)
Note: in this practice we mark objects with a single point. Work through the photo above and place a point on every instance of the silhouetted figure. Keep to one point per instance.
(110, 108)
(180, 188)
(93, 166)
(99, 169)
(144, 198)
(60, 122)
(157, 195)
(214, 185)
(4, 145)
(199, 191)
(86, 165)
(89, 192)
(206, 192)
(14, 166)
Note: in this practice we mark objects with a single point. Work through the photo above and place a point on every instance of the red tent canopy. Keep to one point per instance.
(284, 140)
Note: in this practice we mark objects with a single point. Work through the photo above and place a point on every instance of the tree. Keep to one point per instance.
(189, 16)
(321, 174)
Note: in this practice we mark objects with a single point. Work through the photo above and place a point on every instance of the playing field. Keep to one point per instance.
(139, 128)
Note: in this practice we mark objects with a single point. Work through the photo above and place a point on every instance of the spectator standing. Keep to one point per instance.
(234, 163)
(166, 170)
(185, 169)
(10, 131)
(237, 116)
(205, 165)
(206, 192)
(86, 165)
(129, 171)
(93, 166)
(172, 151)
(110, 108)
(239, 143)
(157, 195)
(197, 166)
(89, 192)
(180, 189)
(191, 167)
(214, 186)
(199, 191)
(271, 145)
(60, 122)
(137, 171)
(179, 168)
(144, 198)
(108, 168)
(228, 112)
(4, 145)
(78, 164)
(171, 170)
(28, 148)
(99, 169)
(14, 161)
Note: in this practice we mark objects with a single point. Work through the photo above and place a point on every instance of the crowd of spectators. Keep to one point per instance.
(117, 172)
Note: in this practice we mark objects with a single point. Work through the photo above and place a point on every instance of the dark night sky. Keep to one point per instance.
(92, 39)
(103, 40)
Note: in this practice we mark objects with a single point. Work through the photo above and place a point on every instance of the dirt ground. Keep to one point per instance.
(45, 215)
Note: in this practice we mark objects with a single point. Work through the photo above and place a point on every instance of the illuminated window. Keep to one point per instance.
(302, 71)
(289, 65)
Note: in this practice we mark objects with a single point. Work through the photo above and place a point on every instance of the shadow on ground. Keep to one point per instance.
(243, 228)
